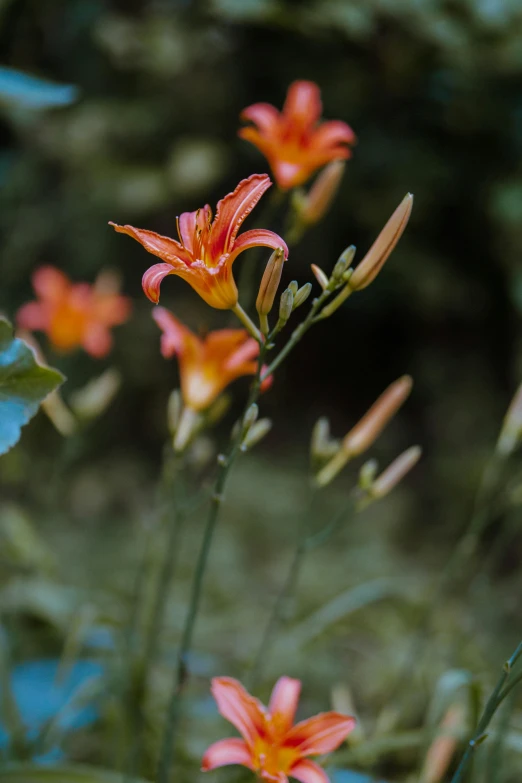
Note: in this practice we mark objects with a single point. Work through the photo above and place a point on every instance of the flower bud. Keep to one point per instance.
(377, 255)
(368, 429)
(293, 286)
(92, 400)
(395, 472)
(270, 282)
(250, 417)
(343, 262)
(174, 409)
(256, 433)
(320, 276)
(322, 193)
(322, 446)
(286, 305)
(367, 474)
(511, 432)
(302, 295)
(188, 426)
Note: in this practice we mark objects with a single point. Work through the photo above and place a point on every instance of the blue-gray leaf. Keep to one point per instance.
(30, 92)
(24, 384)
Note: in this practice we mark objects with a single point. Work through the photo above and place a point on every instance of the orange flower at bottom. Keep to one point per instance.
(272, 745)
(74, 314)
(206, 366)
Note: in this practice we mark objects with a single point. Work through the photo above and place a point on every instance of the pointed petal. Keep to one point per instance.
(332, 133)
(50, 283)
(307, 771)
(187, 229)
(263, 143)
(283, 702)
(290, 175)
(33, 315)
(256, 237)
(167, 249)
(227, 751)
(264, 115)
(97, 340)
(303, 105)
(232, 211)
(320, 734)
(240, 708)
(152, 278)
(245, 351)
(176, 337)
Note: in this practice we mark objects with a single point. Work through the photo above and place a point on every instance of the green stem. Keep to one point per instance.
(181, 671)
(248, 323)
(495, 700)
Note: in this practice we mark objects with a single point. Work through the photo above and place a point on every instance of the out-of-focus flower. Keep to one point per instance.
(294, 141)
(74, 314)
(206, 366)
(207, 248)
(272, 745)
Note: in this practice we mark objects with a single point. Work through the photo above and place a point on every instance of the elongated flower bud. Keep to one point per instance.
(395, 472)
(270, 282)
(377, 255)
(511, 432)
(343, 262)
(320, 276)
(368, 429)
(322, 193)
(250, 417)
(293, 287)
(256, 433)
(286, 305)
(302, 295)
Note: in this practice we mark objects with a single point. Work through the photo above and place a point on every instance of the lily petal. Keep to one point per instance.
(303, 105)
(283, 702)
(187, 229)
(264, 115)
(33, 315)
(169, 250)
(227, 751)
(232, 211)
(320, 734)
(152, 278)
(307, 771)
(332, 133)
(176, 338)
(50, 284)
(97, 340)
(256, 237)
(241, 709)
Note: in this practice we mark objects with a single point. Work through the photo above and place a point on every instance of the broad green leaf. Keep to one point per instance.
(24, 384)
(73, 773)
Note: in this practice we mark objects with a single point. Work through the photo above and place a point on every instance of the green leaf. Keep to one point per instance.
(24, 384)
(72, 773)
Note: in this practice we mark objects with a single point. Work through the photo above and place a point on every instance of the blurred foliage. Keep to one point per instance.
(432, 89)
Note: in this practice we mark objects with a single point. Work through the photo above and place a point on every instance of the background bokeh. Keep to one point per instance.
(432, 90)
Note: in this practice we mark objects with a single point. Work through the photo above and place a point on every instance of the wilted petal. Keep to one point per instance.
(264, 115)
(320, 734)
(308, 771)
(152, 278)
(283, 702)
(227, 751)
(240, 708)
(232, 211)
(164, 247)
(303, 104)
(257, 237)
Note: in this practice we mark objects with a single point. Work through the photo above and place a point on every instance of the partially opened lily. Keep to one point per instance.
(75, 314)
(206, 366)
(208, 248)
(271, 744)
(294, 141)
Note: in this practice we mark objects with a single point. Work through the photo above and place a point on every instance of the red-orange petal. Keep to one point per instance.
(232, 211)
(169, 250)
(307, 771)
(332, 133)
(50, 284)
(176, 336)
(33, 315)
(187, 229)
(227, 751)
(283, 702)
(320, 734)
(97, 340)
(303, 105)
(240, 708)
(256, 237)
(152, 278)
(264, 115)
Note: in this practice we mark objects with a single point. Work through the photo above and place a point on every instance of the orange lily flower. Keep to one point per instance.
(272, 745)
(293, 141)
(208, 248)
(207, 366)
(74, 314)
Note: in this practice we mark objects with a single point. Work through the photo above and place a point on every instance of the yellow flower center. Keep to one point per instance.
(272, 759)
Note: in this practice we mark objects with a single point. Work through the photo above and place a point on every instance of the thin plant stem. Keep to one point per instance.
(181, 671)
(248, 323)
(501, 690)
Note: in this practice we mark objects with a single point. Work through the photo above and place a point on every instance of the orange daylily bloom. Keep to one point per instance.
(208, 248)
(294, 141)
(206, 366)
(272, 745)
(74, 314)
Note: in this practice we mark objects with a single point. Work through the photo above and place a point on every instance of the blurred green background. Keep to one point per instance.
(432, 89)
